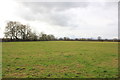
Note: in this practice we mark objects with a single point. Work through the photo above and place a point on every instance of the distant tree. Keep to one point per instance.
(99, 38)
(115, 39)
(23, 32)
(66, 38)
(83, 39)
(35, 37)
(43, 36)
(61, 39)
(76, 39)
(15, 30)
(51, 37)
(12, 30)
(106, 39)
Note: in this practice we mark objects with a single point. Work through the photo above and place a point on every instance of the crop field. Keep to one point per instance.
(60, 59)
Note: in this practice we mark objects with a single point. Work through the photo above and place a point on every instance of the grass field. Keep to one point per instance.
(60, 59)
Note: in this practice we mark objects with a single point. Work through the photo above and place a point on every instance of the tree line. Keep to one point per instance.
(15, 31)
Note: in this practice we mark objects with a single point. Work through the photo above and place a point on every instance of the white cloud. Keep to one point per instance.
(85, 19)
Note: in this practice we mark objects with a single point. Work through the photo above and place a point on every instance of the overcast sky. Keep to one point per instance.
(71, 19)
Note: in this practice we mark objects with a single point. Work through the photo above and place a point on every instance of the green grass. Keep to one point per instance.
(60, 59)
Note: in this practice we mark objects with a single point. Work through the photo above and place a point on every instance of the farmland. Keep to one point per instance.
(60, 59)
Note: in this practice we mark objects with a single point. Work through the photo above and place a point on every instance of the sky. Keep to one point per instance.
(74, 19)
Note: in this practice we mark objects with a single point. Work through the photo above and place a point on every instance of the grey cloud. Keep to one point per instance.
(51, 11)
(61, 20)
(58, 5)
(54, 12)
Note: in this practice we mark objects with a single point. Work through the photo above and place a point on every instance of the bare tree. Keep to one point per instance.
(15, 30)
(11, 30)
(99, 38)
